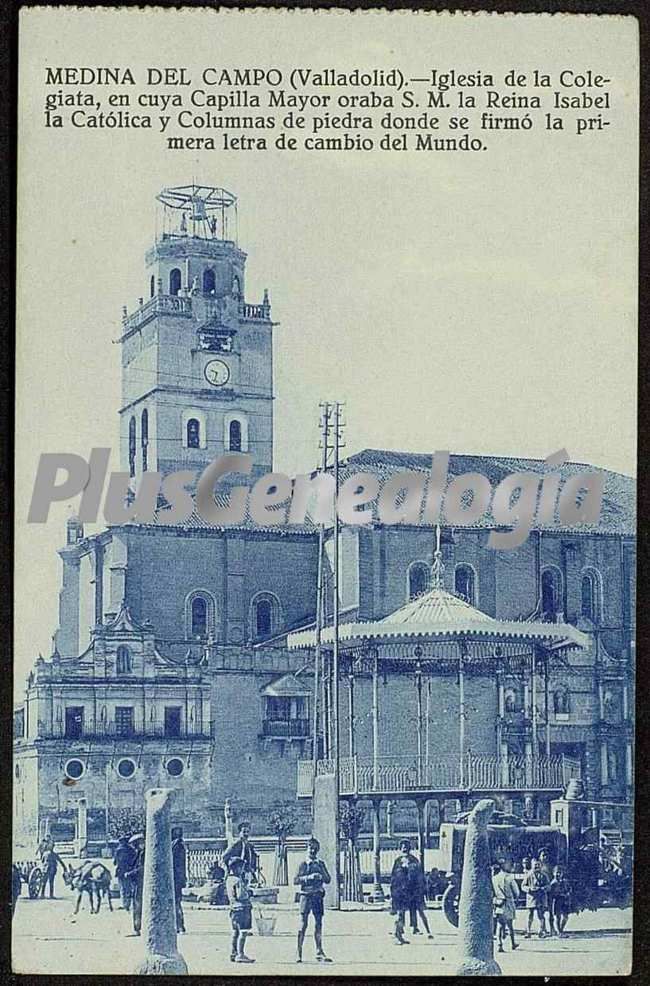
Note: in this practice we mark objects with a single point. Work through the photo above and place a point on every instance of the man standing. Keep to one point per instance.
(136, 876)
(180, 875)
(400, 889)
(242, 849)
(124, 860)
(311, 876)
(50, 861)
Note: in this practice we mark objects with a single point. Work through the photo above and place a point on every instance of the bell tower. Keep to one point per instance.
(197, 359)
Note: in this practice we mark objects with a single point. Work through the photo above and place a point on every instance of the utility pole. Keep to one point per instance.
(325, 426)
(335, 651)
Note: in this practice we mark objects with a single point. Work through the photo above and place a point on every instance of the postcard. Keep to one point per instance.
(325, 492)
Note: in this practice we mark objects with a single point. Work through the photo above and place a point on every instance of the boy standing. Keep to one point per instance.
(506, 892)
(560, 894)
(311, 876)
(241, 909)
(536, 884)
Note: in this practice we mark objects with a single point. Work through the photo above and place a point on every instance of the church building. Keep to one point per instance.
(176, 660)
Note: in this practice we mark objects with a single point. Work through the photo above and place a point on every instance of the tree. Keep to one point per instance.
(351, 818)
(281, 820)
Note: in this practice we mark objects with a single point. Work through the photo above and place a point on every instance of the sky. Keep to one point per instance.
(479, 303)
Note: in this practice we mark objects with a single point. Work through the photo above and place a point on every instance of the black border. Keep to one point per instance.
(9, 12)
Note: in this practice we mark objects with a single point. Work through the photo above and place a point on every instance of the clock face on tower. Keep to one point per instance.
(216, 372)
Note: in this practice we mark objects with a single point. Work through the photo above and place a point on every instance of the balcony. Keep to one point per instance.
(286, 728)
(160, 304)
(110, 731)
(390, 776)
(260, 312)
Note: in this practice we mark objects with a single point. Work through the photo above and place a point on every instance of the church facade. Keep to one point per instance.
(171, 662)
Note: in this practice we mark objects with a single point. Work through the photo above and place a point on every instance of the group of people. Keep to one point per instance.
(548, 894)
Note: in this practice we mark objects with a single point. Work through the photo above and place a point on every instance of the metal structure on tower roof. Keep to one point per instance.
(203, 211)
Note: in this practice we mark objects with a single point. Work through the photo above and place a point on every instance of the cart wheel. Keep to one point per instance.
(450, 900)
(34, 882)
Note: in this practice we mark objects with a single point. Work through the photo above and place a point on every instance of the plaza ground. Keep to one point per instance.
(47, 938)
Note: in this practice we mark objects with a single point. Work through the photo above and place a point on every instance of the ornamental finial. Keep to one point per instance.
(437, 569)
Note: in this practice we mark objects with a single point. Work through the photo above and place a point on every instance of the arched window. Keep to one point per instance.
(199, 614)
(209, 281)
(550, 593)
(418, 579)
(590, 593)
(174, 281)
(465, 583)
(199, 617)
(124, 665)
(193, 433)
(152, 286)
(234, 436)
(132, 447)
(236, 287)
(265, 616)
(144, 437)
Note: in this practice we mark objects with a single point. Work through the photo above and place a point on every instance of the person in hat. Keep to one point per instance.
(136, 876)
(124, 860)
(241, 908)
(401, 894)
(311, 877)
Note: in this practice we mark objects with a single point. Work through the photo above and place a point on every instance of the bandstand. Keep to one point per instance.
(435, 638)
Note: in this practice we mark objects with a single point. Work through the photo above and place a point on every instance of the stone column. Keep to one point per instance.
(389, 819)
(475, 907)
(82, 826)
(161, 956)
(629, 763)
(419, 804)
(377, 890)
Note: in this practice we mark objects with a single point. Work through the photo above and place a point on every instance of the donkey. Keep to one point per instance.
(93, 878)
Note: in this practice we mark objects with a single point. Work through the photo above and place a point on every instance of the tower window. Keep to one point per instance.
(418, 579)
(236, 287)
(132, 447)
(465, 583)
(234, 436)
(590, 596)
(193, 433)
(209, 281)
(152, 286)
(199, 617)
(144, 437)
(124, 665)
(174, 281)
(550, 593)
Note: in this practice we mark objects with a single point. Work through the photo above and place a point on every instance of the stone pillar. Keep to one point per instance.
(228, 822)
(629, 763)
(161, 956)
(389, 819)
(82, 827)
(419, 804)
(377, 890)
(475, 907)
(528, 754)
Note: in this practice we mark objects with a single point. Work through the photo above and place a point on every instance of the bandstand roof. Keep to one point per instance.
(441, 614)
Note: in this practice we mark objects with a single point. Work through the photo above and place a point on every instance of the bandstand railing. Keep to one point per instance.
(476, 772)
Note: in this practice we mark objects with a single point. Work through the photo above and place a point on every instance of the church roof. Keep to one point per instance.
(618, 514)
